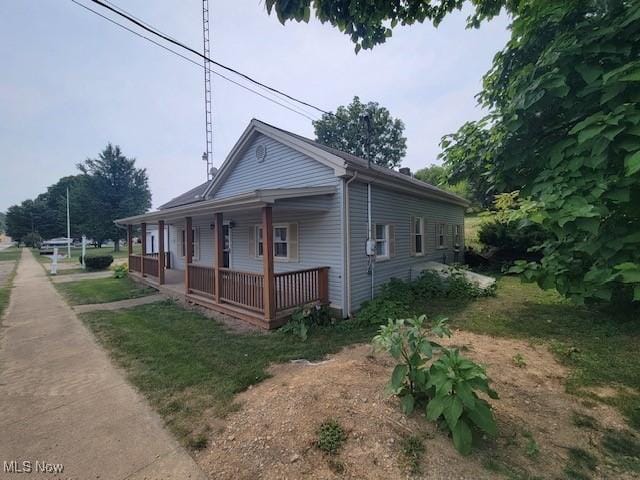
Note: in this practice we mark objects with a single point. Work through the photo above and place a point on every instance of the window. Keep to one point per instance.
(441, 233)
(418, 235)
(280, 242)
(195, 243)
(456, 236)
(382, 241)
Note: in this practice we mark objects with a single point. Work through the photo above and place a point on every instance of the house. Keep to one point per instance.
(287, 221)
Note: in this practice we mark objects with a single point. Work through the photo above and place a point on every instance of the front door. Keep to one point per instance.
(226, 251)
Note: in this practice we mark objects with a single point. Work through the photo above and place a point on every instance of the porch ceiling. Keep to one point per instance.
(244, 201)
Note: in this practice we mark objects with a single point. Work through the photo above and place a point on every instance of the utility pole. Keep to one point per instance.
(207, 156)
(68, 228)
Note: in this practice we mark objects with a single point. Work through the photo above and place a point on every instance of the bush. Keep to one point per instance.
(98, 262)
(512, 240)
(32, 240)
(398, 299)
(448, 389)
(120, 271)
(305, 318)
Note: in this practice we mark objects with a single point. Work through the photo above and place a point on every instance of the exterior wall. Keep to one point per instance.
(394, 208)
(153, 232)
(283, 167)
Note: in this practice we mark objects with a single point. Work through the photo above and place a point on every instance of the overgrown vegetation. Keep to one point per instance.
(400, 299)
(190, 366)
(102, 290)
(306, 318)
(331, 437)
(412, 450)
(448, 387)
(120, 271)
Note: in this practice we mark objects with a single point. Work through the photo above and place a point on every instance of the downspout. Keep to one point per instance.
(369, 225)
(347, 217)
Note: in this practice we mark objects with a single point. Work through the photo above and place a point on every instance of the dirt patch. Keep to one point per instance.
(272, 436)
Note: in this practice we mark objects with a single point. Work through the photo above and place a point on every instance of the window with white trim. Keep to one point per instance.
(441, 235)
(456, 235)
(195, 243)
(382, 241)
(280, 241)
(418, 235)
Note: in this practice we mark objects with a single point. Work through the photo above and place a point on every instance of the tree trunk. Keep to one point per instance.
(116, 243)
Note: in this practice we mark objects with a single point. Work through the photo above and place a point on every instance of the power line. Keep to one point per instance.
(190, 60)
(204, 57)
(284, 99)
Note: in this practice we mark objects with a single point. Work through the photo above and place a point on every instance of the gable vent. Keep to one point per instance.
(261, 152)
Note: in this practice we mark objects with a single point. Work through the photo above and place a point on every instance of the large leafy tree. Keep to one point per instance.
(116, 189)
(365, 130)
(563, 127)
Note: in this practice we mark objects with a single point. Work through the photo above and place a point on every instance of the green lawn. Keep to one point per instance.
(11, 253)
(186, 363)
(102, 290)
(471, 227)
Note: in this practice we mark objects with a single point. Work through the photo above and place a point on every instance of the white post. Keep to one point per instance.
(54, 261)
(84, 250)
(68, 228)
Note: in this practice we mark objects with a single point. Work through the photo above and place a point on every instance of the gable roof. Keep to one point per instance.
(342, 163)
(192, 196)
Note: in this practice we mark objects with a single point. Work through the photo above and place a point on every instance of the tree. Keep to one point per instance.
(371, 23)
(364, 130)
(563, 127)
(116, 189)
(433, 174)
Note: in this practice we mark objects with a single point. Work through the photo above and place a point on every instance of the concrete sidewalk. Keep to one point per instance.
(62, 401)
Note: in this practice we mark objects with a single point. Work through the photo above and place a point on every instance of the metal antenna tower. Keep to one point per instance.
(207, 156)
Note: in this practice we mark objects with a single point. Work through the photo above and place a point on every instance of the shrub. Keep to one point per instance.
(331, 436)
(397, 299)
(32, 240)
(98, 262)
(120, 271)
(512, 239)
(305, 318)
(448, 389)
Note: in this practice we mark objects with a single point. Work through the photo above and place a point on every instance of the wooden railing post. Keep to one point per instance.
(219, 256)
(161, 257)
(129, 244)
(267, 264)
(188, 254)
(143, 234)
(323, 287)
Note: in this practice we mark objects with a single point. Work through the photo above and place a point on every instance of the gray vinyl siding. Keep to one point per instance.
(283, 167)
(394, 208)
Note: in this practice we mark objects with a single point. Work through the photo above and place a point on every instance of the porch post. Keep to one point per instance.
(188, 254)
(143, 234)
(129, 244)
(219, 255)
(161, 260)
(267, 264)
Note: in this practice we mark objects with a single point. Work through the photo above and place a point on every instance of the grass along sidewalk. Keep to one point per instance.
(101, 290)
(189, 365)
(76, 252)
(10, 253)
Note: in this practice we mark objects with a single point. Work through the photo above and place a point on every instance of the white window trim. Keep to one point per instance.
(444, 236)
(196, 243)
(386, 255)
(457, 235)
(258, 241)
(421, 233)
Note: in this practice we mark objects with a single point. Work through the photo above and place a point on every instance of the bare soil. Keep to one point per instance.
(273, 433)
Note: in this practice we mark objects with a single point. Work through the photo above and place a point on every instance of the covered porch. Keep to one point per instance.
(265, 298)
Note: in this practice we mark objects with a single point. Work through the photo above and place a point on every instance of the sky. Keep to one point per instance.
(70, 82)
